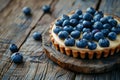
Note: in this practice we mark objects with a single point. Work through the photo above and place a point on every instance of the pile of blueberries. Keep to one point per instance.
(86, 29)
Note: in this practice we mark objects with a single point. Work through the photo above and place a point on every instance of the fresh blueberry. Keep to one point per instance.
(79, 27)
(13, 48)
(69, 42)
(63, 34)
(65, 17)
(78, 11)
(92, 22)
(80, 17)
(95, 31)
(112, 22)
(91, 10)
(86, 30)
(98, 36)
(92, 45)
(57, 30)
(116, 30)
(104, 42)
(46, 8)
(87, 16)
(109, 17)
(74, 16)
(75, 34)
(107, 26)
(98, 25)
(69, 29)
(87, 35)
(97, 17)
(99, 13)
(104, 20)
(82, 43)
(37, 36)
(66, 22)
(81, 21)
(112, 36)
(17, 57)
(105, 32)
(87, 24)
(74, 22)
(58, 23)
(26, 11)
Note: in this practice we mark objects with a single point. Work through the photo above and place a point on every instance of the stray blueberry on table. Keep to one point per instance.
(46, 8)
(13, 48)
(37, 36)
(26, 11)
(17, 57)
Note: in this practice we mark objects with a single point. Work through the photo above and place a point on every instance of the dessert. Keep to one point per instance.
(89, 34)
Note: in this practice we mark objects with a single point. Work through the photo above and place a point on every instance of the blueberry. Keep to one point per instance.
(86, 30)
(112, 22)
(57, 30)
(109, 17)
(98, 25)
(97, 17)
(69, 42)
(105, 32)
(104, 42)
(107, 26)
(66, 22)
(46, 8)
(69, 29)
(95, 31)
(13, 48)
(91, 10)
(87, 24)
(73, 22)
(75, 34)
(116, 30)
(81, 43)
(63, 34)
(80, 17)
(74, 16)
(79, 27)
(92, 45)
(87, 16)
(37, 36)
(78, 11)
(104, 20)
(98, 36)
(81, 21)
(65, 17)
(58, 23)
(112, 36)
(26, 11)
(17, 57)
(92, 22)
(87, 35)
(99, 13)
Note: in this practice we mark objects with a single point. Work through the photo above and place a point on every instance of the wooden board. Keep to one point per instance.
(79, 65)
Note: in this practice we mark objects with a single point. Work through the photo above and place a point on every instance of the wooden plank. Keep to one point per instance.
(16, 27)
(3, 4)
(110, 7)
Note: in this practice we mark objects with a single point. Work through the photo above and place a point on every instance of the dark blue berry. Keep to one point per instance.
(69, 42)
(46, 8)
(97, 17)
(63, 34)
(69, 29)
(112, 36)
(104, 42)
(74, 16)
(87, 16)
(17, 57)
(91, 10)
(107, 26)
(81, 21)
(87, 35)
(109, 17)
(58, 23)
(13, 48)
(98, 36)
(87, 24)
(66, 22)
(79, 27)
(95, 31)
(86, 30)
(116, 30)
(57, 30)
(99, 13)
(104, 20)
(105, 32)
(92, 45)
(98, 25)
(80, 17)
(78, 11)
(75, 34)
(26, 11)
(65, 17)
(112, 22)
(74, 22)
(37, 36)
(81, 43)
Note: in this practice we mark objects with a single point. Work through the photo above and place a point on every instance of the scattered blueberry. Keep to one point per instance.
(66, 22)
(86, 30)
(57, 30)
(37, 36)
(91, 10)
(26, 11)
(13, 48)
(74, 16)
(87, 24)
(63, 34)
(107, 26)
(75, 34)
(78, 11)
(58, 23)
(112, 22)
(98, 25)
(69, 42)
(104, 20)
(92, 45)
(46, 8)
(104, 42)
(98, 36)
(17, 57)
(79, 27)
(112, 36)
(87, 35)
(73, 22)
(69, 29)
(105, 32)
(82, 43)
(87, 16)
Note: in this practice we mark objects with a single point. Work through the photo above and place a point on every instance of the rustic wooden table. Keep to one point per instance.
(18, 29)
